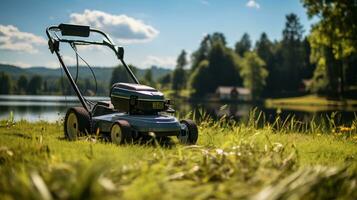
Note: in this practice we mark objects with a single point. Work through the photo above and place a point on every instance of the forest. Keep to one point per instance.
(322, 62)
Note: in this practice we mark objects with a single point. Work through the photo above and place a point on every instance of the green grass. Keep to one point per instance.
(231, 161)
(311, 103)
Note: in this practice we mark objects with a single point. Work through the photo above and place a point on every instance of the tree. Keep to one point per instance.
(244, 45)
(202, 52)
(178, 76)
(64, 86)
(148, 80)
(200, 78)
(220, 69)
(120, 74)
(5, 86)
(265, 50)
(319, 80)
(253, 73)
(218, 37)
(35, 85)
(337, 27)
(223, 67)
(309, 67)
(293, 30)
(22, 84)
(165, 81)
(291, 55)
(45, 86)
(181, 60)
(148, 76)
(333, 38)
(351, 71)
(90, 87)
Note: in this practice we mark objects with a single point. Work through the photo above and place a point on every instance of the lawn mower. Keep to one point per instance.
(134, 110)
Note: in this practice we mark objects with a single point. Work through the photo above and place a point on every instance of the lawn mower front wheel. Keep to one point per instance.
(76, 123)
(120, 132)
(189, 132)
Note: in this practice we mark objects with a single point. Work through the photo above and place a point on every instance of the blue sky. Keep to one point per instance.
(153, 32)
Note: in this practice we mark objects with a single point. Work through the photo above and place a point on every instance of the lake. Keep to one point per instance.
(36, 108)
(53, 108)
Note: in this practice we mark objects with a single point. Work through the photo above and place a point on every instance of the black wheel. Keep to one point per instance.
(76, 123)
(120, 133)
(189, 132)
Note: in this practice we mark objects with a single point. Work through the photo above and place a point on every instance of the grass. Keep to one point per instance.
(283, 160)
(311, 103)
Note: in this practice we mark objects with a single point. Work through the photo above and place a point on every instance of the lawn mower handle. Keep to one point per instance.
(81, 31)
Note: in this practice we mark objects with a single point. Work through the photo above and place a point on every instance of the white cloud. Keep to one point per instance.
(68, 61)
(52, 64)
(122, 27)
(167, 62)
(11, 38)
(252, 4)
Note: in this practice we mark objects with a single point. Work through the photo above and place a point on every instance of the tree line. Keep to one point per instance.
(262, 67)
(323, 62)
(54, 82)
(35, 85)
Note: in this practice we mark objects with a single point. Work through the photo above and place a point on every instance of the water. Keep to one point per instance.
(53, 108)
(37, 108)
(241, 111)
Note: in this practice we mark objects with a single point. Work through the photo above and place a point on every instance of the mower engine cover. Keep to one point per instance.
(137, 99)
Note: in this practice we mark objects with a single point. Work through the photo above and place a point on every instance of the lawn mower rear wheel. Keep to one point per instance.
(76, 123)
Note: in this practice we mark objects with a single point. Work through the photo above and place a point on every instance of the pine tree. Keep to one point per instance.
(178, 76)
(244, 45)
(5, 86)
(291, 55)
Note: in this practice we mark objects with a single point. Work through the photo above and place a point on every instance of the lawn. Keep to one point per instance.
(231, 161)
(311, 103)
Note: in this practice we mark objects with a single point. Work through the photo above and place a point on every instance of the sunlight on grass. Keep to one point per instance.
(231, 160)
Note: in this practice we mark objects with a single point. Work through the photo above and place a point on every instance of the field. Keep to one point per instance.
(284, 160)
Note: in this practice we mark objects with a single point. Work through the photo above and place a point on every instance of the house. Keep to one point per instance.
(233, 93)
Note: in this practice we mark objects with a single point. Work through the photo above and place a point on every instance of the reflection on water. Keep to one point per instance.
(241, 111)
(43, 98)
(33, 113)
(53, 108)
(36, 108)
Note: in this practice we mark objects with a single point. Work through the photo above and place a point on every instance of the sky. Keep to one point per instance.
(152, 32)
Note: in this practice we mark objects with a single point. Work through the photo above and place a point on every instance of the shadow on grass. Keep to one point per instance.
(20, 135)
(163, 142)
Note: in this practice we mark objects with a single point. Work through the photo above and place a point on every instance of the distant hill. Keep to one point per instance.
(12, 70)
(102, 73)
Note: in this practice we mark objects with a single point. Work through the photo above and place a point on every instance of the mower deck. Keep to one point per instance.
(163, 125)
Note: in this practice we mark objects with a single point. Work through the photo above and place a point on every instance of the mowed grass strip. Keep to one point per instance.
(231, 160)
